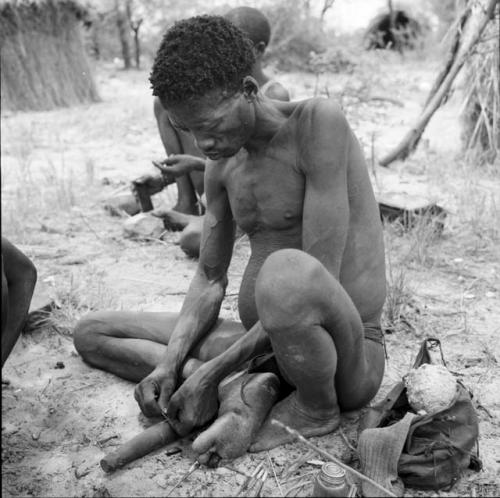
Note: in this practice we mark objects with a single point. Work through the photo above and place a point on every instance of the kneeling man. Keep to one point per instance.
(293, 177)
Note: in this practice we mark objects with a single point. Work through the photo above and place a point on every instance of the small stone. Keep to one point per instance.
(143, 225)
(123, 202)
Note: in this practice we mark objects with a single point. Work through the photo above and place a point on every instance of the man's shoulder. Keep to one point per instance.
(275, 90)
(321, 109)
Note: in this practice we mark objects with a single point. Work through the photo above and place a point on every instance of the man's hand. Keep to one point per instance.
(154, 391)
(152, 184)
(193, 404)
(180, 164)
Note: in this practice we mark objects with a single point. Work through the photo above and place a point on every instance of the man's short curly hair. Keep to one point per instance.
(200, 54)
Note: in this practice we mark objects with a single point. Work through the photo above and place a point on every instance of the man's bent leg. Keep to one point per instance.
(317, 336)
(131, 344)
(191, 237)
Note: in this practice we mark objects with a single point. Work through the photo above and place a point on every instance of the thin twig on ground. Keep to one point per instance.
(274, 473)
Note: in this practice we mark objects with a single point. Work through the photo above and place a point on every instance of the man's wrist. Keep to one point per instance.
(199, 165)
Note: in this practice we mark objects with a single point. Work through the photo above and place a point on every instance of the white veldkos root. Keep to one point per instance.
(430, 388)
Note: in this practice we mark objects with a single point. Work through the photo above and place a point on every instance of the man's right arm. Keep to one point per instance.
(18, 284)
(201, 306)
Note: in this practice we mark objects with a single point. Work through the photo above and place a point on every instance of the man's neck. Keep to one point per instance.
(259, 75)
(269, 119)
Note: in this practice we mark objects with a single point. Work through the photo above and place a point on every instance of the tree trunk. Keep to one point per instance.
(123, 33)
(411, 139)
(455, 31)
(327, 4)
(137, 43)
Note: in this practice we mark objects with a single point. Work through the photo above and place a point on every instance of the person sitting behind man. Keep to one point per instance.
(293, 177)
(18, 284)
(185, 164)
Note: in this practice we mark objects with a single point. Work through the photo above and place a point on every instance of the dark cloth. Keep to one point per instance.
(374, 332)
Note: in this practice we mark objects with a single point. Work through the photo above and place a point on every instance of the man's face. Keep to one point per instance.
(221, 124)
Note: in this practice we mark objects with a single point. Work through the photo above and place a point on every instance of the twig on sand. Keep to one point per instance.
(274, 473)
(184, 477)
(327, 455)
(250, 479)
(297, 487)
(298, 463)
(346, 441)
(261, 480)
(288, 481)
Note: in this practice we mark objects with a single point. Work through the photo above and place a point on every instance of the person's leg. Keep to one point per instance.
(130, 344)
(317, 335)
(173, 144)
(186, 196)
(191, 237)
(191, 229)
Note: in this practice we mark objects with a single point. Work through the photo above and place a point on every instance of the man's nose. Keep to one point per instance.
(205, 144)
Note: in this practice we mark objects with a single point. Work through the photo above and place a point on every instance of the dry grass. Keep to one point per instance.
(481, 105)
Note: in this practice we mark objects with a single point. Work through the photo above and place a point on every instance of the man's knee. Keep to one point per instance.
(30, 274)
(190, 242)
(284, 285)
(87, 332)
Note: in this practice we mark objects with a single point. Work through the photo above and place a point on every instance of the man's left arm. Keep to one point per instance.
(324, 162)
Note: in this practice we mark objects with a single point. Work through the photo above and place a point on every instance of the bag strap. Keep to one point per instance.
(424, 355)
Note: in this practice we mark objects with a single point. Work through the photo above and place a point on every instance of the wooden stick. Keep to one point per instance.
(274, 473)
(184, 477)
(261, 480)
(246, 482)
(151, 439)
(411, 139)
(325, 454)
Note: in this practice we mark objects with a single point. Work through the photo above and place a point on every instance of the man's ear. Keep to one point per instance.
(250, 88)
(259, 49)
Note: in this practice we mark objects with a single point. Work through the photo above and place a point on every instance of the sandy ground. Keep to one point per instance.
(60, 417)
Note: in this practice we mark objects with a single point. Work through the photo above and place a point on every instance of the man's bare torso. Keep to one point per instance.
(266, 190)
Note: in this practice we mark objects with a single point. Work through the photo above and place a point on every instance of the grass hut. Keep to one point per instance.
(43, 60)
(481, 109)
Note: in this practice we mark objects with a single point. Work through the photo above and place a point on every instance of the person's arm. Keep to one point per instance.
(192, 405)
(180, 164)
(19, 277)
(168, 135)
(201, 306)
(323, 160)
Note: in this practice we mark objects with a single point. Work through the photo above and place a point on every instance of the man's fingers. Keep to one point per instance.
(170, 160)
(173, 413)
(172, 410)
(159, 213)
(163, 400)
(204, 458)
(145, 394)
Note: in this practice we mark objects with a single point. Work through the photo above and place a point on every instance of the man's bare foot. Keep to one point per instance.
(173, 220)
(244, 403)
(296, 416)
